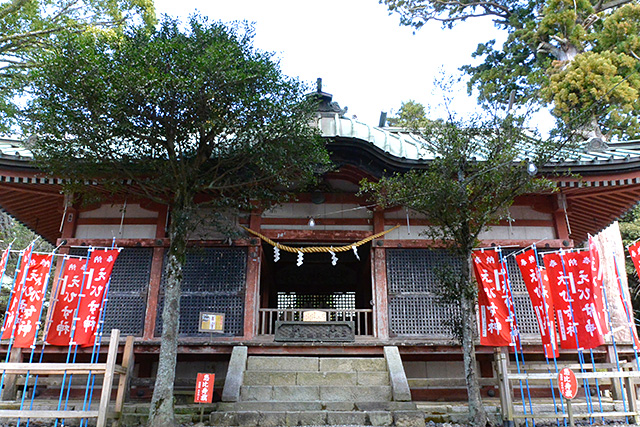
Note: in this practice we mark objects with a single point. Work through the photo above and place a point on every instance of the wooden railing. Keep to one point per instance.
(622, 378)
(107, 371)
(362, 318)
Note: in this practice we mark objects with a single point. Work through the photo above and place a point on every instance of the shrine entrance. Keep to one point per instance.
(343, 292)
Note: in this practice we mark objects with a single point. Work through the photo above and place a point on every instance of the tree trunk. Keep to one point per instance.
(161, 413)
(478, 416)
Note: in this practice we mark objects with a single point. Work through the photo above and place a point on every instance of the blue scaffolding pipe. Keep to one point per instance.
(15, 320)
(552, 339)
(46, 331)
(72, 345)
(96, 348)
(615, 350)
(627, 311)
(585, 381)
(517, 347)
(33, 347)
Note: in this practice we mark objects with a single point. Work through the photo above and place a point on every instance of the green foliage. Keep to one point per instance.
(411, 116)
(19, 237)
(28, 27)
(188, 117)
(178, 111)
(475, 173)
(581, 57)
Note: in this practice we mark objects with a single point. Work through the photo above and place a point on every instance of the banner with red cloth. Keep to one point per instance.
(537, 283)
(634, 251)
(597, 277)
(98, 274)
(3, 261)
(497, 324)
(580, 324)
(16, 293)
(26, 304)
(66, 301)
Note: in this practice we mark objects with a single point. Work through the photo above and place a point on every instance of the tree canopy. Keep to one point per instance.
(581, 57)
(188, 117)
(477, 169)
(30, 26)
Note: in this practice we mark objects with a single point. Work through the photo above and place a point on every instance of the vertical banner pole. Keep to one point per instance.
(552, 335)
(585, 382)
(516, 342)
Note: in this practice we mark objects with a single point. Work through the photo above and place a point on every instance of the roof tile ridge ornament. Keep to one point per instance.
(597, 144)
(326, 107)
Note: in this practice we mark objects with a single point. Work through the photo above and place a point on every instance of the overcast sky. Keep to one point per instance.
(365, 59)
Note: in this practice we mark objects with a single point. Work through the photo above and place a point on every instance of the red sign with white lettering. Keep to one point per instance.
(204, 388)
(567, 383)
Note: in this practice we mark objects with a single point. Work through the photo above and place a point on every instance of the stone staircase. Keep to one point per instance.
(302, 391)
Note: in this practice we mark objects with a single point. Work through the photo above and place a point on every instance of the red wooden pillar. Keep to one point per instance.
(69, 222)
(560, 218)
(379, 281)
(252, 291)
(252, 295)
(155, 277)
(381, 306)
(153, 293)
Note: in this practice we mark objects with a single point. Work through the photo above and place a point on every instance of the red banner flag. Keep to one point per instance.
(497, 325)
(597, 276)
(3, 261)
(16, 293)
(580, 324)
(634, 251)
(30, 306)
(98, 274)
(66, 301)
(537, 283)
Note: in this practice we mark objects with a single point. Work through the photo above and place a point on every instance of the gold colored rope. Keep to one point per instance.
(317, 249)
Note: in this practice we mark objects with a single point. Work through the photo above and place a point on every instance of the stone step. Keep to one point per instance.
(314, 406)
(283, 363)
(296, 418)
(316, 364)
(298, 393)
(277, 378)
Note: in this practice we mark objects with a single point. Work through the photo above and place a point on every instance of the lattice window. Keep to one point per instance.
(412, 279)
(214, 281)
(414, 309)
(336, 300)
(127, 299)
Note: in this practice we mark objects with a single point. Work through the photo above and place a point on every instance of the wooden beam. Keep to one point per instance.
(123, 381)
(252, 292)
(319, 221)
(346, 236)
(127, 221)
(380, 293)
(429, 244)
(378, 221)
(155, 279)
(107, 382)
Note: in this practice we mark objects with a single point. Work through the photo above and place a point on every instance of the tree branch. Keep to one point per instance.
(610, 5)
(12, 7)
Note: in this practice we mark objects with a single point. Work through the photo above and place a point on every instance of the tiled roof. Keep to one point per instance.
(407, 145)
(13, 149)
